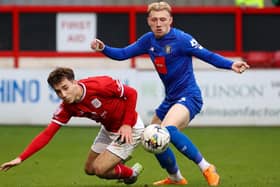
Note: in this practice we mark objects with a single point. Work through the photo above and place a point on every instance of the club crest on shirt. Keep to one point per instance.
(168, 49)
(96, 103)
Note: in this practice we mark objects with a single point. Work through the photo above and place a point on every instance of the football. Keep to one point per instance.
(155, 139)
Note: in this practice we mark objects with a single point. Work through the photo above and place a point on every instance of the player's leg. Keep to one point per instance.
(99, 145)
(102, 164)
(167, 161)
(106, 166)
(177, 118)
(123, 151)
(100, 161)
(89, 170)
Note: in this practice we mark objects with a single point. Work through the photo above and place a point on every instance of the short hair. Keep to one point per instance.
(158, 6)
(59, 74)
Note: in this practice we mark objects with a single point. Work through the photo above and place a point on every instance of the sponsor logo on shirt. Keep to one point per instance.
(96, 103)
(195, 44)
(160, 64)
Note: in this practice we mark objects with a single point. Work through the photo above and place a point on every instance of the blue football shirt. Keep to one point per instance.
(172, 57)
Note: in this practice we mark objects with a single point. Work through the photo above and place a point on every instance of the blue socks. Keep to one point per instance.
(167, 159)
(184, 144)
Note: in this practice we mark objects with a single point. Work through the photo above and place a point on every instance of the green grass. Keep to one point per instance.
(244, 156)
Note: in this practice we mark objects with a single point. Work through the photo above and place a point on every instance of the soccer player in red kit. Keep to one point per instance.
(103, 100)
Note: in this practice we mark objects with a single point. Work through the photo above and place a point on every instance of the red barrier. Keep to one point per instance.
(276, 59)
(132, 11)
(259, 59)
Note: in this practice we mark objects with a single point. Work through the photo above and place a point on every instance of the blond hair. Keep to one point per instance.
(158, 6)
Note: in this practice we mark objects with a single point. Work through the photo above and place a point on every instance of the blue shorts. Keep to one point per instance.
(192, 103)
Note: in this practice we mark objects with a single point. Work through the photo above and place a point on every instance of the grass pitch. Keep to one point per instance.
(244, 156)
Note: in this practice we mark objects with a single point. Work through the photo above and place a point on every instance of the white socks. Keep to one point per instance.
(176, 176)
(203, 164)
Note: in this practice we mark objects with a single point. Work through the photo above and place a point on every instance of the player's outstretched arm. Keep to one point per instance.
(239, 66)
(7, 165)
(37, 143)
(97, 45)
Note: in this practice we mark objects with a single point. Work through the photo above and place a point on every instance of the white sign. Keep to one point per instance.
(252, 98)
(74, 32)
(249, 99)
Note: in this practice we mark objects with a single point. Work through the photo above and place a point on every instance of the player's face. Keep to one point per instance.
(160, 22)
(68, 91)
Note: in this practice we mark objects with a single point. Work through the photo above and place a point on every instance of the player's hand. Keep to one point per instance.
(126, 133)
(97, 45)
(240, 66)
(6, 166)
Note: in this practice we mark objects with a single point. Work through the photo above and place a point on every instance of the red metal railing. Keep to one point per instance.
(16, 53)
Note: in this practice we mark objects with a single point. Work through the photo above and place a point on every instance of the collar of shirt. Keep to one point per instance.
(169, 35)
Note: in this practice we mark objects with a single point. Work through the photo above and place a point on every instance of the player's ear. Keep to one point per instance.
(171, 20)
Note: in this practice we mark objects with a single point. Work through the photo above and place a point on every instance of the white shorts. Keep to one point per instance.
(108, 140)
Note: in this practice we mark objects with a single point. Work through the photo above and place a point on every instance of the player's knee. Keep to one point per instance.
(99, 170)
(172, 130)
(89, 170)
(95, 169)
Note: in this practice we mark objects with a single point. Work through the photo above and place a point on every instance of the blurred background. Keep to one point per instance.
(130, 2)
(38, 35)
(240, 116)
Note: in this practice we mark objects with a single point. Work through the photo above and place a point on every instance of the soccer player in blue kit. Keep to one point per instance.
(171, 51)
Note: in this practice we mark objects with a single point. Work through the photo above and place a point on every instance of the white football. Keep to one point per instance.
(155, 139)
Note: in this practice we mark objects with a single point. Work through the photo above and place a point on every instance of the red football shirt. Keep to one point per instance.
(104, 100)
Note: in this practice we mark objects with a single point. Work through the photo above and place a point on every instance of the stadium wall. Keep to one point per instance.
(32, 43)
(249, 99)
(39, 31)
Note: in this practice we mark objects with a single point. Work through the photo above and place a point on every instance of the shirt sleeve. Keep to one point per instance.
(130, 95)
(193, 48)
(107, 86)
(114, 88)
(135, 49)
(40, 141)
(62, 115)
